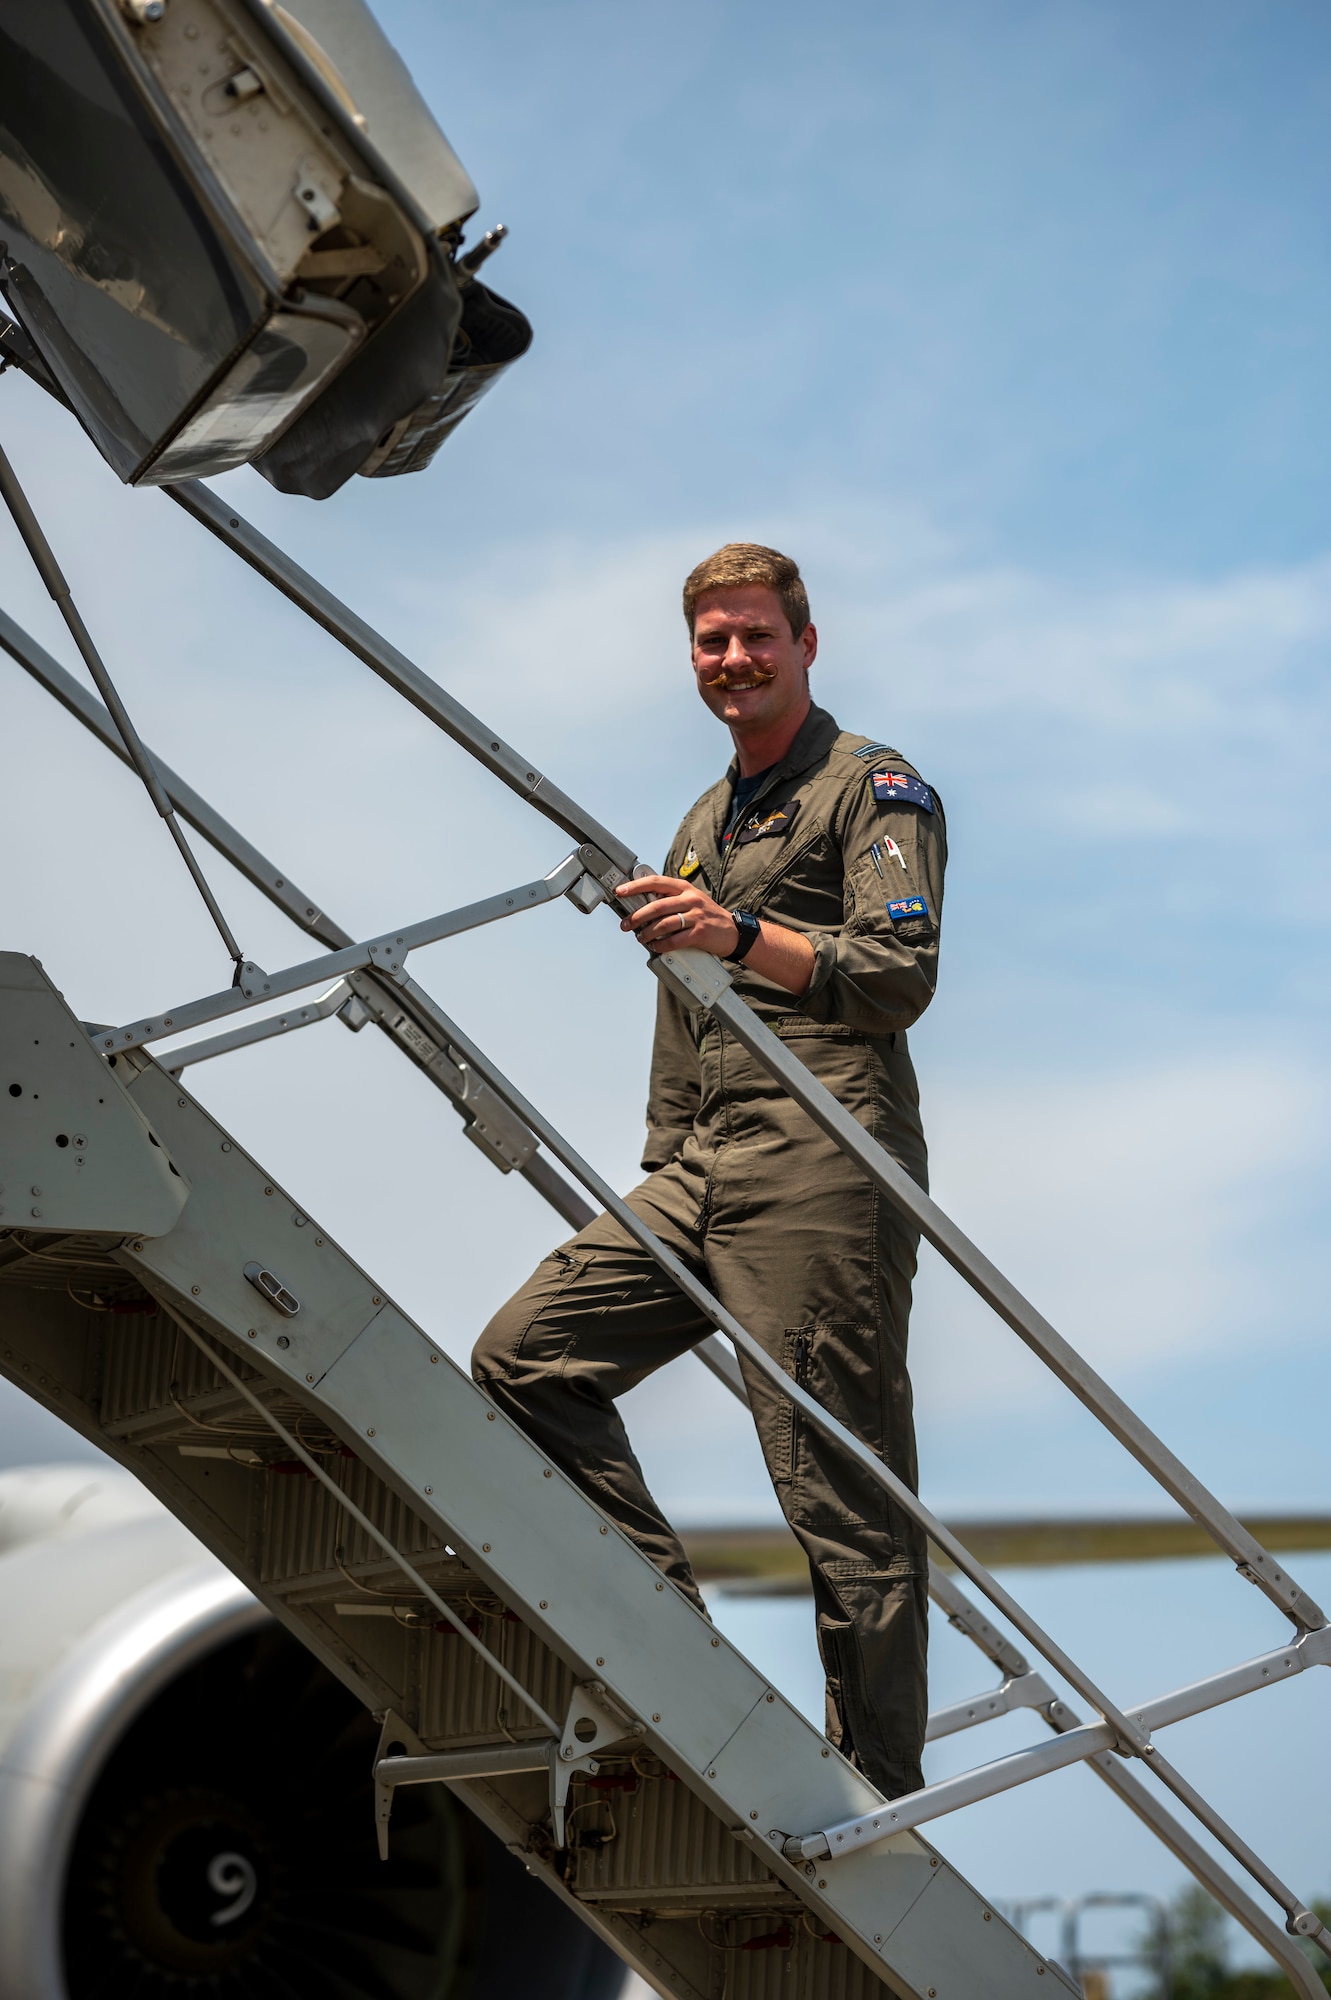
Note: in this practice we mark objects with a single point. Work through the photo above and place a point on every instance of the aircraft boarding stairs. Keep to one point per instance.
(176, 1305)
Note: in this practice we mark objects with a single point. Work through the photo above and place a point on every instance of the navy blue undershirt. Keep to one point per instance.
(746, 789)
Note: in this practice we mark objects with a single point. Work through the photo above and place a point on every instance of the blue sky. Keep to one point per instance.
(1011, 322)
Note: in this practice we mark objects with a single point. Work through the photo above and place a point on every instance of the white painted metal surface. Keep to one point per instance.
(565, 1601)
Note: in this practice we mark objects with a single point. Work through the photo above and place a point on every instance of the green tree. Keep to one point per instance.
(1199, 1958)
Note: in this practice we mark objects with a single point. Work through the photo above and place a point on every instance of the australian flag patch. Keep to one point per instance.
(904, 907)
(898, 788)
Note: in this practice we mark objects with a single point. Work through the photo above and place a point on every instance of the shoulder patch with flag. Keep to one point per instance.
(898, 788)
(901, 908)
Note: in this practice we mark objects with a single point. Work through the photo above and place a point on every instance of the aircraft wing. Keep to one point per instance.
(766, 1561)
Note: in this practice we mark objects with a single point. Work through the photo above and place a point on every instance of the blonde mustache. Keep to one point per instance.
(725, 677)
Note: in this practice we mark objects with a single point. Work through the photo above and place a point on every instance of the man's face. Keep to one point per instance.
(751, 672)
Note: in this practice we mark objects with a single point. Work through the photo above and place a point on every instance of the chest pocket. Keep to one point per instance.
(768, 823)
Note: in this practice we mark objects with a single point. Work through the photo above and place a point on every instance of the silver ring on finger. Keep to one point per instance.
(683, 920)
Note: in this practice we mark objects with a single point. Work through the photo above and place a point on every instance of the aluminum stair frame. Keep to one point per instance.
(606, 858)
(352, 1359)
(706, 983)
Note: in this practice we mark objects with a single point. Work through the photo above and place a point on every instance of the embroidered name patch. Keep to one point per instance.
(766, 825)
(907, 906)
(898, 788)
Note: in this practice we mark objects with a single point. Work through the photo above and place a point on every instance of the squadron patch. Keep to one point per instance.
(690, 865)
(767, 825)
(903, 908)
(898, 788)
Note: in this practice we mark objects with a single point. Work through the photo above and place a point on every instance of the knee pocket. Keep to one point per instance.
(497, 1350)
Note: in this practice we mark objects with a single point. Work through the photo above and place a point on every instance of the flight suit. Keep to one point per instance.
(846, 844)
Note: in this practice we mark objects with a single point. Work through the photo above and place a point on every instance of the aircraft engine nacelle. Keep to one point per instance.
(185, 1797)
(230, 230)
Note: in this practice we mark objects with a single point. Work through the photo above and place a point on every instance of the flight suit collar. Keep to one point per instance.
(817, 733)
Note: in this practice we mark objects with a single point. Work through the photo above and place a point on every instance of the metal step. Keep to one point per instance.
(367, 1491)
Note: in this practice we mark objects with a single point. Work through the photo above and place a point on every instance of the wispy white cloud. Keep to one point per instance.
(1124, 1200)
(1139, 1210)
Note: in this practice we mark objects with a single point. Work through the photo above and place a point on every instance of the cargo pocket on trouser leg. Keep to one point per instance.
(874, 1655)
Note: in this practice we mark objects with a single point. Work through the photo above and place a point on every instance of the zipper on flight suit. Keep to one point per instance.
(725, 847)
(786, 1455)
(728, 845)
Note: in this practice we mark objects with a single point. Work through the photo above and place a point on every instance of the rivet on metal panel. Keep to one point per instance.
(1039, 1972)
(547, 1474)
(36, 1190)
(656, 1718)
(284, 1340)
(195, 1289)
(309, 1378)
(485, 1548)
(489, 1416)
(181, 1102)
(660, 1586)
(429, 1489)
(268, 1190)
(933, 1863)
(434, 1361)
(252, 1334)
(226, 1145)
(933, 1993)
(988, 1916)
(318, 1243)
(753, 1815)
(370, 1432)
(716, 1642)
(300, 1220)
(605, 1531)
(37, 1212)
(878, 1935)
(823, 1883)
(136, 1246)
(827, 1753)
(771, 1697)
(600, 1661)
(375, 1299)
(545, 1604)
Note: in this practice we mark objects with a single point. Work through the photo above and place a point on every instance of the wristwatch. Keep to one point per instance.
(750, 930)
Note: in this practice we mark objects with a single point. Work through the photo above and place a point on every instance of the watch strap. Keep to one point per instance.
(749, 929)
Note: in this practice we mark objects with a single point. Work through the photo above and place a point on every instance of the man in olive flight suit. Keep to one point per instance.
(817, 862)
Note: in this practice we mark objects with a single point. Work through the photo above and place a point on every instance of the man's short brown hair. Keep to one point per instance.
(749, 562)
